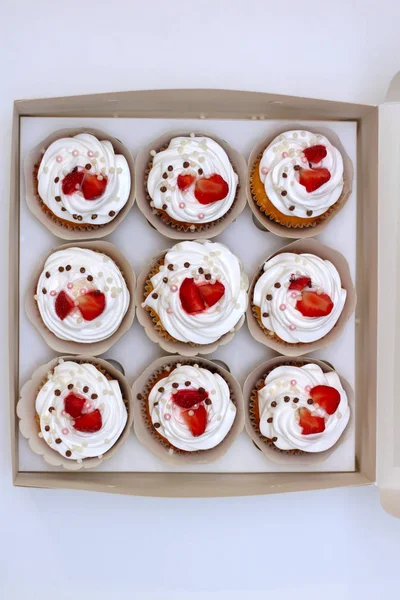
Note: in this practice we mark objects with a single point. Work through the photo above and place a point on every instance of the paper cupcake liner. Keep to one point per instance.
(285, 227)
(297, 458)
(29, 426)
(154, 328)
(94, 348)
(62, 228)
(270, 339)
(147, 434)
(160, 219)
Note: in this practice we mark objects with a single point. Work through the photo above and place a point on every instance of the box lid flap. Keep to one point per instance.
(388, 357)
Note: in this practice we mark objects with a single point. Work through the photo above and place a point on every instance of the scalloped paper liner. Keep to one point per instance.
(153, 327)
(71, 347)
(308, 229)
(297, 458)
(158, 445)
(272, 341)
(159, 218)
(28, 425)
(59, 227)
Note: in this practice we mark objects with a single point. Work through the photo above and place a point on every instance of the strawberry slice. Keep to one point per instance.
(188, 398)
(90, 422)
(211, 189)
(91, 304)
(314, 154)
(73, 405)
(196, 420)
(64, 305)
(92, 187)
(72, 182)
(312, 304)
(190, 297)
(211, 292)
(327, 397)
(312, 179)
(185, 180)
(300, 283)
(309, 423)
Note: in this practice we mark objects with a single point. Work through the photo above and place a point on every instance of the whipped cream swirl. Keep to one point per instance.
(279, 413)
(205, 262)
(56, 426)
(197, 156)
(278, 304)
(221, 411)
(86, 152)
(77, 271)
(279, 173)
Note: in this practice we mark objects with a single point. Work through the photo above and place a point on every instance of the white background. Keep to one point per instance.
(328, 544)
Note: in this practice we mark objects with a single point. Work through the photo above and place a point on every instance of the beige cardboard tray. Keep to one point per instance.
(247, 107)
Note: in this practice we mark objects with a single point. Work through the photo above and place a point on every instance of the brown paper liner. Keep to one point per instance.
(30, 427)
(61, 227)
(255, 382)
(95, 348)
(269, 338)
(266, 212)
(148, 435)
(149, 319)
(160, 218)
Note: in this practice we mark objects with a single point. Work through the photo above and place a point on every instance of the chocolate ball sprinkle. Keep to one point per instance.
(85, 389)
(94, 396)
(63, 209)
(57, 392)
(47, 428)
(68, 268)
(161, 390)
(310, 401)
(286, 398)
(139, 396)
(273, 404)
(309, 213)
(201, 270)
(57, 198)
(47, 274)
(68, 453)
(82, 269)
(44, 291)
(70, 386)
(88, 166)
(165, 175)
(265, 315)
(58, 441)
(74, 170)
(186, 164)
(51, 409)
(170, 267)
(155, 404)
(57, 179)
(79, 218)
(283, 193)
(207, 276)
(163, 189)
(207, 401)
(295, 400)
(112, 213)
(274, 439)
(187, 383)
(175, 385)
(269, 297)
(170, 168)
(284, 175)
(200, 171)
(165, 279)
(157, 425)
(269, 420)
(164, 206)
(201, 390)
(75, 216)
(155, 296)
(94, 217)
(277, 284)
(297, 167)
(61, 269)
(291, 208)
(186, 265)
(90, 277)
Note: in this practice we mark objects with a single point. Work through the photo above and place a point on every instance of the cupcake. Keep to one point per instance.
(190, 184)
(75, 411)
(297, 408)
(195, 294)
(187, 409)
(81, 183)
(82, 297)
(297, 298)
(299, 179)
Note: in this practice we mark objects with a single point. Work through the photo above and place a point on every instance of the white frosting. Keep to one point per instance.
(211, 324)
(289, 324)
(281, 156)
(201, 153)
(292, 382)
(62, 156)
(109, 402)
(107, 278)
(220, 413)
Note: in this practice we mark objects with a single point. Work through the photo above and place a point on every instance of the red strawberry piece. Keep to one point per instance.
(188, 398)
(196, 420)
(312, 179)
(72, 182)
(300, 283)
(73, 405)
(211, 189)
(91, 304)
(92, 187)
(327, 397)
(309, 423)
(314, 154)
(190, 297)
(312, 304)
(211, 292)
(90, 422)
(64, 305)
(185, 180)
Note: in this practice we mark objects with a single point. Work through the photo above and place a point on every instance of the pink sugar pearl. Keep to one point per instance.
(63, 413)
(174, 288)
(201, 215)
(65, 431)
(59, 159)
(70, 286)
(83, 291)
(294, 294)
(282, 307)
(75, 153)
(265, 170)
(90, 153)
(182, 205)
(285, 154)
(293, 382)
(167, 416)
(53, 293)
(88, 406)
(292, 327)
(308, 388)
(304, 160)
(169, 311)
